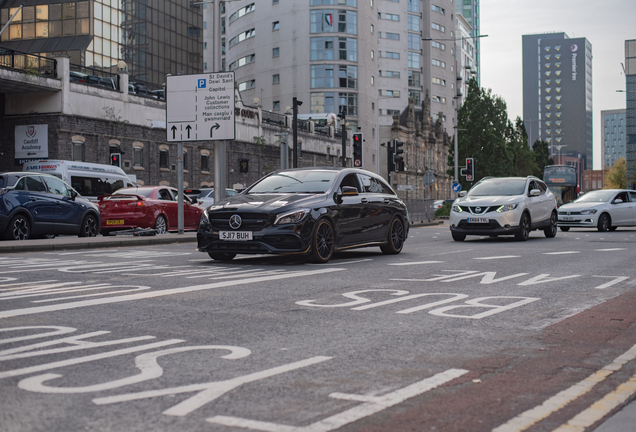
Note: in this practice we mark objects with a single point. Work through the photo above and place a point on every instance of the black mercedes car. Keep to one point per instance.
(312, 211)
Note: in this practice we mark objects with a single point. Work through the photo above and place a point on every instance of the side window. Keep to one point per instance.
(621, 196)
(370, 184)
(20, 185)
(165, 195)
(56, 186)
(34, 184)
(633, 196)
(542, 186)
(351, 180)
(533, 185)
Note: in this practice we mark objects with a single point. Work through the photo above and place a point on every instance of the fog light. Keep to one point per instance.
(506, 226)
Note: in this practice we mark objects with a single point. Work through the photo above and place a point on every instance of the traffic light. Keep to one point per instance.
(470, 169)
(398, 158)
(389, 158)
(357, 149)
(115, 159)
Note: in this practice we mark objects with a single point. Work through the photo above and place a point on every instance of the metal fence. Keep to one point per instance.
(32, 64)
(420, 210)
(273, 118)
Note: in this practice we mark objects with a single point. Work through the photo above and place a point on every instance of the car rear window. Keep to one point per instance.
(145, 192)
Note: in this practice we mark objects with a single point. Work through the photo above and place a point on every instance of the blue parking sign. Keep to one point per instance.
(202, 83)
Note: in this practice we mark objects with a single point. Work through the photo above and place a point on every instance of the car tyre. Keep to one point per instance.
(459, 237)
(524, 228)
(604, 223)
(222, 256)
(551, 231)
(161, 225)
(19, 228)
(322, 242)
(89, 227)
(395, 240)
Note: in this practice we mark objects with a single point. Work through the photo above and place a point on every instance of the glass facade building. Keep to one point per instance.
(613, 136)
(153, 38)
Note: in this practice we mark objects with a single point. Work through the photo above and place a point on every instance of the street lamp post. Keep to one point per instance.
(295, 104)
(343, 117)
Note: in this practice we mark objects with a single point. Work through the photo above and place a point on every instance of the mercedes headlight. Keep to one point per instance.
(456, 208)
(292, 217)
(588, 212)
(507, 207)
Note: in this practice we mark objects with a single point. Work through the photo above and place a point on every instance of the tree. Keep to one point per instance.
(616, 178)
(542, 156)
(523, 158)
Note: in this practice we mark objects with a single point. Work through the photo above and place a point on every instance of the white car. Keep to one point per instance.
(504, 206)
(604, 209)
(205, 197)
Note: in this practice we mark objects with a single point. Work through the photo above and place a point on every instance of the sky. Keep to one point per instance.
(605, 23)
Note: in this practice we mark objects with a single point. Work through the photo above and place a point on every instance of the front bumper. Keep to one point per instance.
(579, 221)
(506, 223)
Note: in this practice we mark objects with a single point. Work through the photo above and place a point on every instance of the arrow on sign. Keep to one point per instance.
(174, 132)
(215, 126)
(188, 128)
(29, 154)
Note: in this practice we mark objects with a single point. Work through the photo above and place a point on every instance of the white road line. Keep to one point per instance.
(370, 406)
(415, 263)
(616, 280)
(561, 253)
(161, 293)
(609, 250)
(498, 257)
(561, 399)
(601, 408)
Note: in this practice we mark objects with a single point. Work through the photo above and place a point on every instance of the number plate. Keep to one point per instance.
(477, 220)
(235, 235)
(567, 218)
(115, 222)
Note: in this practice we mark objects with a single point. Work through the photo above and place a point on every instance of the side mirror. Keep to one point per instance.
(349, 191)
(618, 201)
(462, 194)
(74, 194)
(535, 192)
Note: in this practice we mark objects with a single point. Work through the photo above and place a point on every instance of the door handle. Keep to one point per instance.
(364, 200)
(57, 202)
(386, 200)
(32, 199)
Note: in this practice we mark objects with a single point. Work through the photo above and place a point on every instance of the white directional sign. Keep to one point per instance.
(200, 107)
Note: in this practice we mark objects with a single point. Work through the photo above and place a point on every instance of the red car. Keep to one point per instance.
(147, 207)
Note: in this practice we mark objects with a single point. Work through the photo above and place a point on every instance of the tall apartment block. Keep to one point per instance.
(557, 94)
(630, 114)
(613, 136)
(154, 39)
(362, 57)
(469, 10)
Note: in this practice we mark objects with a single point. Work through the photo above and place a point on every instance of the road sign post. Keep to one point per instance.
(200, 107)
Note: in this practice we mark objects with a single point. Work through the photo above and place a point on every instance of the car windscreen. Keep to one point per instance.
(296, 182)
(596, 196)
(498, 187)
(145, 192)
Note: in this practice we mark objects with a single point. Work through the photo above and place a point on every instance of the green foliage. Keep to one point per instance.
(443, 211)
(498, 146)
(616, 178)
(260, 140)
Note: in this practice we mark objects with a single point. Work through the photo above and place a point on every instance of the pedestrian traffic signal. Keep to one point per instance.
(115, 159)
(357, 149)
(470, 169)
(398, 155)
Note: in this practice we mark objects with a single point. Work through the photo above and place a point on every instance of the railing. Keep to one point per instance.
(273, 118)
(420, 210)
(32, 64)
(94, 77)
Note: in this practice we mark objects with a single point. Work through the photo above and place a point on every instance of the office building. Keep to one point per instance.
(154, 39)
(557, 94)
(630, 112)
(613, 136)
(469, 10)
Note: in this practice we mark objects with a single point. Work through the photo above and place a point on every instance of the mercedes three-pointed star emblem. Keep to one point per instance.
(235, 221)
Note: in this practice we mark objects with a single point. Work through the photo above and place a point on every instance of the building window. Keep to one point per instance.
(414, 6)
(390, 74)
(138, 156)
(416, 95)
(324, 48)
(439, 63)
(415, 79)
(276, 25)
(276, 105)
(392, 55)
(390, 93)
(276, 79)
(241, 37)
(323, 76)
(394, 36)
(205, 163)
(438, 9)
(439, 99)
(185, 160)
(438, 27)
(331, 21)
(243, 61)
(247, 85)
(163, 159)
(414, 41)
(438, 45)
(244, 10)
(439, 81)
(275, 52)
(78, 151)
(414, 60)
(414, 23)
(391, 17)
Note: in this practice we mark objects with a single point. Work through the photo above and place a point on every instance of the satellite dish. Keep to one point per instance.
(331, 119)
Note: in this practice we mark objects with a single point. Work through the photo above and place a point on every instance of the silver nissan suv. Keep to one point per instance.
(504, 206)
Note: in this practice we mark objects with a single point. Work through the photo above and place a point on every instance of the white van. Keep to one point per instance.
(89, 179)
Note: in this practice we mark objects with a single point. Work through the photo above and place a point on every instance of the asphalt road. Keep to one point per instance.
(486, 334)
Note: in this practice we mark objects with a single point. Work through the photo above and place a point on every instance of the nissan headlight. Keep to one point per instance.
(507, 207)
(456, 209)
(292, 217)
(588, 212)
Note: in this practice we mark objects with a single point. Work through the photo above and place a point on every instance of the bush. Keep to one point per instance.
(443, 211)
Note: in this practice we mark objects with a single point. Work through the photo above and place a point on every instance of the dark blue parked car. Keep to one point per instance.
(36, 205)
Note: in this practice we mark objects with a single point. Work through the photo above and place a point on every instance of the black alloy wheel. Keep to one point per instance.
(161, 225)
(19, 228)
(524, 228)
(89, 227)
(564, 229)
(222, 256)
(551, 231)
(604, 222)
(322, 246)
(395, 241)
